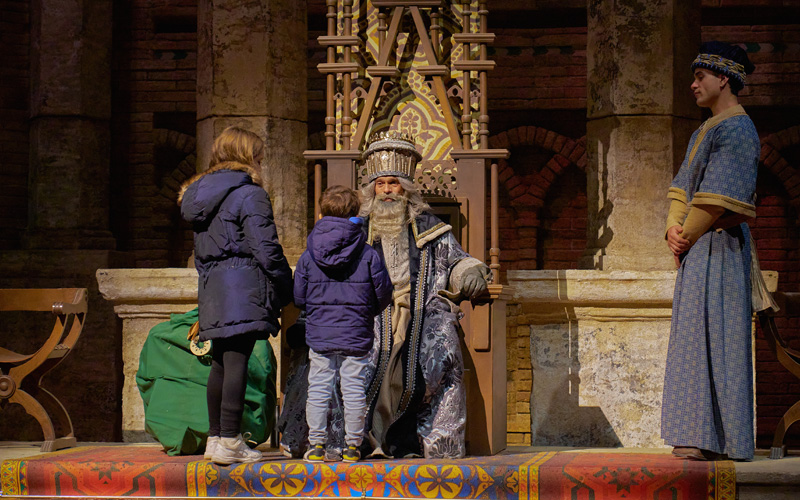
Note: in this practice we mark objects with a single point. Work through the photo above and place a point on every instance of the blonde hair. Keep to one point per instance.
(235, 144)
(234, 149)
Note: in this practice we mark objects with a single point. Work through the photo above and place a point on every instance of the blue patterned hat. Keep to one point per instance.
(729, 60)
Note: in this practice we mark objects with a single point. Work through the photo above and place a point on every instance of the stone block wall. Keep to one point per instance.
(14, 114)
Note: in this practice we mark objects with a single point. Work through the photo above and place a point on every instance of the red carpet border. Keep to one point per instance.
(108, 471)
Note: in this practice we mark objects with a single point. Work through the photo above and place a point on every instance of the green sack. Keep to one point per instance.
(172, 382)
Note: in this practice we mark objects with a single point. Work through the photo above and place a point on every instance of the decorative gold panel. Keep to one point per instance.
(407, 104)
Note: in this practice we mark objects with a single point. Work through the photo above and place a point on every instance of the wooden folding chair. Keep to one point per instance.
(21, 374)
(788, 357)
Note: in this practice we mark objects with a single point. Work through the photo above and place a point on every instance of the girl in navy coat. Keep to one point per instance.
(342, 284)
(244, 278)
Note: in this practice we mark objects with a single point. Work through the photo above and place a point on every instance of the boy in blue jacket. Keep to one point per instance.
(342, 284)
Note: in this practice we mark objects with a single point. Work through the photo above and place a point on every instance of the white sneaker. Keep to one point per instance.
(234, 450)
(211, 446)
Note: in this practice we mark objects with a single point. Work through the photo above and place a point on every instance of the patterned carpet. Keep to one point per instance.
(148, 472)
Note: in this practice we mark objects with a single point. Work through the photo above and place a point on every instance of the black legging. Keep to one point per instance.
(227, 383)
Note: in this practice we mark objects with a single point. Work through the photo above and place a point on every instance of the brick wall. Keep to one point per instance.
(153, 125)
(563, 222)
(542, 199)
(775, 50)
(538, 69)
(14, 113)
(519, 375)
(777, 234)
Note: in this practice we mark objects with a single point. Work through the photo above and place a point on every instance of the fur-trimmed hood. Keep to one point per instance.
(228, 165)
(201, 196)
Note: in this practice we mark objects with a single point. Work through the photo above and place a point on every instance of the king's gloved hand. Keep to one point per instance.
(473, 282)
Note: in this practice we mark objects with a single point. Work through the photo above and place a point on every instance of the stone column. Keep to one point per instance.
(641, 114)
(251, 72)
(69, 135)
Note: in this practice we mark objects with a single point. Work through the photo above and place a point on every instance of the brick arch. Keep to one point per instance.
(176, 234)
(777, 164)
(185, 169)
(566, 151)
(524, 195)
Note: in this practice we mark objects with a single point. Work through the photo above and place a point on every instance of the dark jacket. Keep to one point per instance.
(342, 283)
(244, 277)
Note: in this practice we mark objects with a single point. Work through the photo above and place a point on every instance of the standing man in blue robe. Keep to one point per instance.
(707, 407)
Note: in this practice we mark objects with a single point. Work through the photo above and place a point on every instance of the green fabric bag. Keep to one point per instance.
(172, 382)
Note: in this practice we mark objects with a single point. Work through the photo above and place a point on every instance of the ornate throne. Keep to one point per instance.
(420, 68)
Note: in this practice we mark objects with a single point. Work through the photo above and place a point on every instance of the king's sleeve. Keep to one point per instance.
(729, 180)
(459, 261)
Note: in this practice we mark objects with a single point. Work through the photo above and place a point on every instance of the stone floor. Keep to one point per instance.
(761, 479)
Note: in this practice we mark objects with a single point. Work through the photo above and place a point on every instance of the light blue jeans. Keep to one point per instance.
(321, 384)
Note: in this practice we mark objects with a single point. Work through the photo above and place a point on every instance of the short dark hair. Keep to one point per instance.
(339, 201)
(733, 83)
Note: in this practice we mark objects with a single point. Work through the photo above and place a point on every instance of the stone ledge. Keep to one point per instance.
(763, 471)
(629, 289)
(145, 292)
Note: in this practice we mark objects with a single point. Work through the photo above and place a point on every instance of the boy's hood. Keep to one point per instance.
(335, 242)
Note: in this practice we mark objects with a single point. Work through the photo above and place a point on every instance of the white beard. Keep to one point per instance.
(388, 219)
(388, 223)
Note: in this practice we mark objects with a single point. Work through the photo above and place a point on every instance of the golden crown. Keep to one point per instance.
(391, 154)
